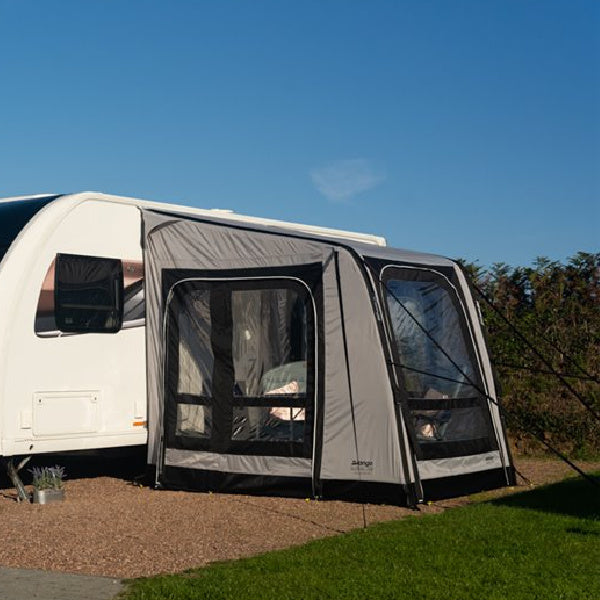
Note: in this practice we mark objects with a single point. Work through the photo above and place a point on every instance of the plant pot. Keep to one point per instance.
(48, 496)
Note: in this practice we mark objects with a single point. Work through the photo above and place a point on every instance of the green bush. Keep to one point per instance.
(557, 308)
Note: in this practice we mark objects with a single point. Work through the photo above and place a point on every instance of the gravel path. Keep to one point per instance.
(109, 526)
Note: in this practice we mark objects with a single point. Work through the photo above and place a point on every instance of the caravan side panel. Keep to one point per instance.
(66, 392)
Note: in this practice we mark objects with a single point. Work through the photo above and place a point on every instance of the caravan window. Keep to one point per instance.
(436, 363)
(241, 366)
(88, 294)
(134, 303)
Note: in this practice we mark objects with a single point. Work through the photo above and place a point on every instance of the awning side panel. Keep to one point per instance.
(375, 455)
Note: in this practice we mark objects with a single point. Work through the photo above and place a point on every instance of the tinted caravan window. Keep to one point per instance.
(14, 216)
(88, 294)
(436, 363)
(134, 302)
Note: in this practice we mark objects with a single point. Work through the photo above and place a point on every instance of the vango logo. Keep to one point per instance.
(364, 465)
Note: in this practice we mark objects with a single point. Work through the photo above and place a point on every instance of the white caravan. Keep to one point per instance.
(67, 382)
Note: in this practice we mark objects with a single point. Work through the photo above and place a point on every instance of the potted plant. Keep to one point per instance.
(48, 484)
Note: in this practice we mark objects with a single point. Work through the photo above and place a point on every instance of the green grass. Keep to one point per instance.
(540, 544)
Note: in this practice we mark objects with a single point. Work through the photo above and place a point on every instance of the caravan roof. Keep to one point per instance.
(225, 215)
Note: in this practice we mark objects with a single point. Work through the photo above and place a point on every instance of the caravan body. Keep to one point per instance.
(62, 389)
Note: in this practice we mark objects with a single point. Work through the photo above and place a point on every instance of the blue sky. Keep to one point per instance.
(466, 128)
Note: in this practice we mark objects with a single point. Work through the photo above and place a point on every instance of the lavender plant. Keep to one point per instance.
(48, 478)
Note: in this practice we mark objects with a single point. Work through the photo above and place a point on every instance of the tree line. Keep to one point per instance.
(555, 307)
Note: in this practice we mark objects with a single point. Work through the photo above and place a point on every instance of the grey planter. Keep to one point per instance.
(48, 496)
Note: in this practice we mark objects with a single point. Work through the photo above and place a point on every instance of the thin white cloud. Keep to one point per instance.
(341, 180)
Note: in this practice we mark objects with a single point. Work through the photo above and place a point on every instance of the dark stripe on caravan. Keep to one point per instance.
(15, 215)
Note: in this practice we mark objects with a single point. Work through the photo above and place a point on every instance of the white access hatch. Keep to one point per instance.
(61, 413)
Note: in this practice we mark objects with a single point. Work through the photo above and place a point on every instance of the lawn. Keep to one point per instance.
(540, 544)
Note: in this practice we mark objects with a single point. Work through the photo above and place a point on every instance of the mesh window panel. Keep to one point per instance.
(240, 366)
(437, 364)
(194, 420)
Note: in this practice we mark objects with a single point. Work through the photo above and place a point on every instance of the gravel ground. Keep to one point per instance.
(111, 526)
